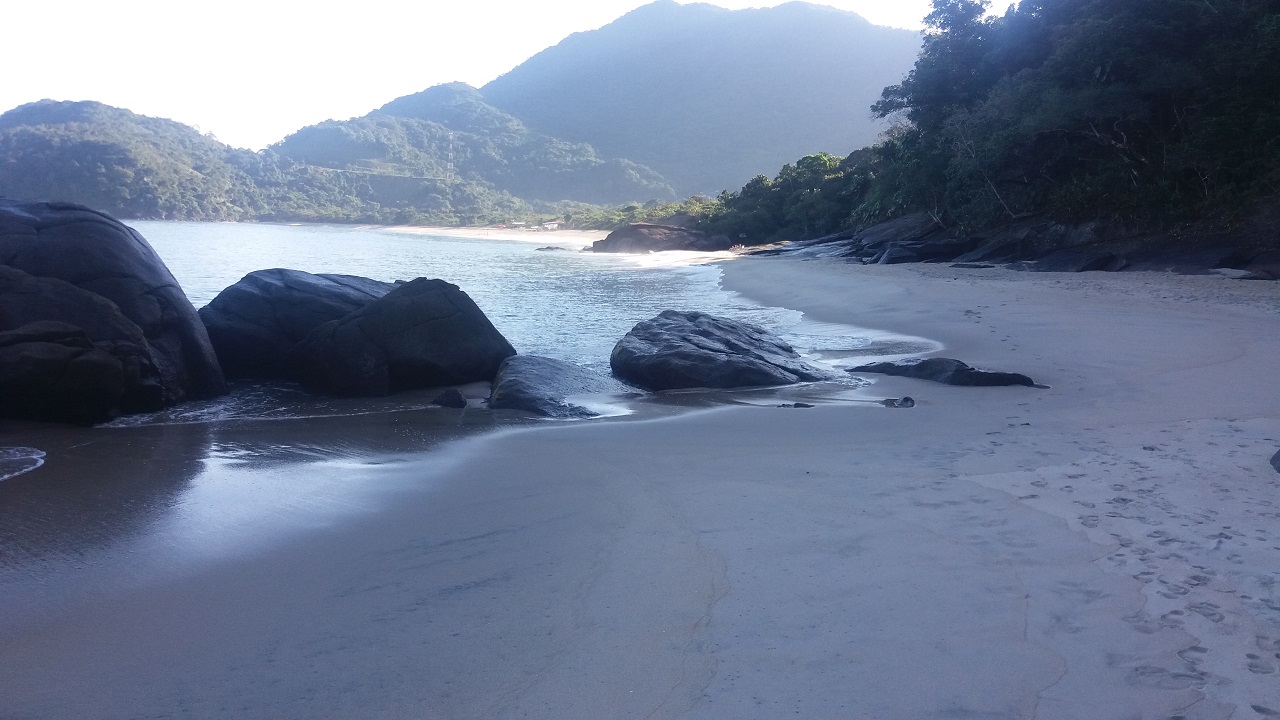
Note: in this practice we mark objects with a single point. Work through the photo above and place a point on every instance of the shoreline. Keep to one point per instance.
(1102, 548)
(561, 238)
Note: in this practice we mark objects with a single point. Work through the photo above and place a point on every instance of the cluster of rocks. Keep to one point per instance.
(93, 325)
(1028, 244)
(347, 335)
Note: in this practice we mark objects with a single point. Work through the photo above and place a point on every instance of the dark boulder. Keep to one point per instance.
(52, 371)
(1266, 265)
(425, 333)
(1032, 238)
(914, 228)
(451, 398)
(256, 322)
(645, 237)
(98, 254)
(692, 349)
(1079, 260)
(36, 313)
(543, 386)
(896, 254)
(946, 371)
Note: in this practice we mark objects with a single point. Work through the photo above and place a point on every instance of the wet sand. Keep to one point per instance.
(1105, 548)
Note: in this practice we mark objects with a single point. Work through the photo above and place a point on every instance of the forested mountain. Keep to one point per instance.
(119, 162)
(442, 156)
(449, 133)
(1140, 113)
(141, 167)
(709, 97)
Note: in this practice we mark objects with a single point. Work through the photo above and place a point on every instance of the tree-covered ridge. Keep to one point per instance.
(1139, 112)
(119, 162)
(376, 169)
(449, 133)
(141, 167)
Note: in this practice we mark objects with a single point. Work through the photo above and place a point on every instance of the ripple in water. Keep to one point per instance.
(15, 461)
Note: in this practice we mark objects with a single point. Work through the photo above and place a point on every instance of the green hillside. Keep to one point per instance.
(121, 163)
(711, 97)
(449, 133)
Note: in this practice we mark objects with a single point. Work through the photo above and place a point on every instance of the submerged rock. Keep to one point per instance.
(256, 322)
(425, 333)
(693, 349)
(542, 385)
(97, 254)
(646, 237)
(946, 371)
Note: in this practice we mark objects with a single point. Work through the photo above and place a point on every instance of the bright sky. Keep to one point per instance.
(253, 71)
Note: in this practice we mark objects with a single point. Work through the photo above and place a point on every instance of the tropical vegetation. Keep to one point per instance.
(1144, 113)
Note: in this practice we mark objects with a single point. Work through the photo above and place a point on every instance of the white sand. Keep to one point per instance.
(1107, 548)
(575, 239)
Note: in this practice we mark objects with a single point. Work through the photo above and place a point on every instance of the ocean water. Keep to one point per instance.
(544, 294)
(148, 494)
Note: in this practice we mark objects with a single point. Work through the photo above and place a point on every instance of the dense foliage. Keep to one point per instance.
(484, 167)
(709, 97)
(1141, 112)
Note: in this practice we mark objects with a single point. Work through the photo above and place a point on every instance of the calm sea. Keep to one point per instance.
(560, 302)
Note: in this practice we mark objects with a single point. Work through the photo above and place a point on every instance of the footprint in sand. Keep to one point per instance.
(1208, 610)
(1158, 677)
(1265, 711)
(1259, 665)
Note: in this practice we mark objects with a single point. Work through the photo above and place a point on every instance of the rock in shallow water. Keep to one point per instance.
(256, 322)
(946, 371)
(542, 385)
(692, 349)
(425, 333)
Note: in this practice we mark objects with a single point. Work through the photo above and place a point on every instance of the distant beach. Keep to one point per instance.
(1103, 548)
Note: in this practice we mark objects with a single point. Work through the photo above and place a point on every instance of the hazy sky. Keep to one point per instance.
(252, 71)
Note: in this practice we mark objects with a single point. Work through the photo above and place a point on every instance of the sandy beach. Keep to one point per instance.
(1105, 548)
(572, 239)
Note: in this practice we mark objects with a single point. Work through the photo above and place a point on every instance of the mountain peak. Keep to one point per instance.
(709, 96)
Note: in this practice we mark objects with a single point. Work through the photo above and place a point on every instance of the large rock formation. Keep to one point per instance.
(58, 342)
(52, 371)
(97, 254)
(694, 349)
(543, 386)
(645, 237)
(256, 322)
(424, 333)
(946, 371)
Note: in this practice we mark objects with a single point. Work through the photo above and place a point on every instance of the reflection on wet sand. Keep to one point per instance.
(147, 499)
